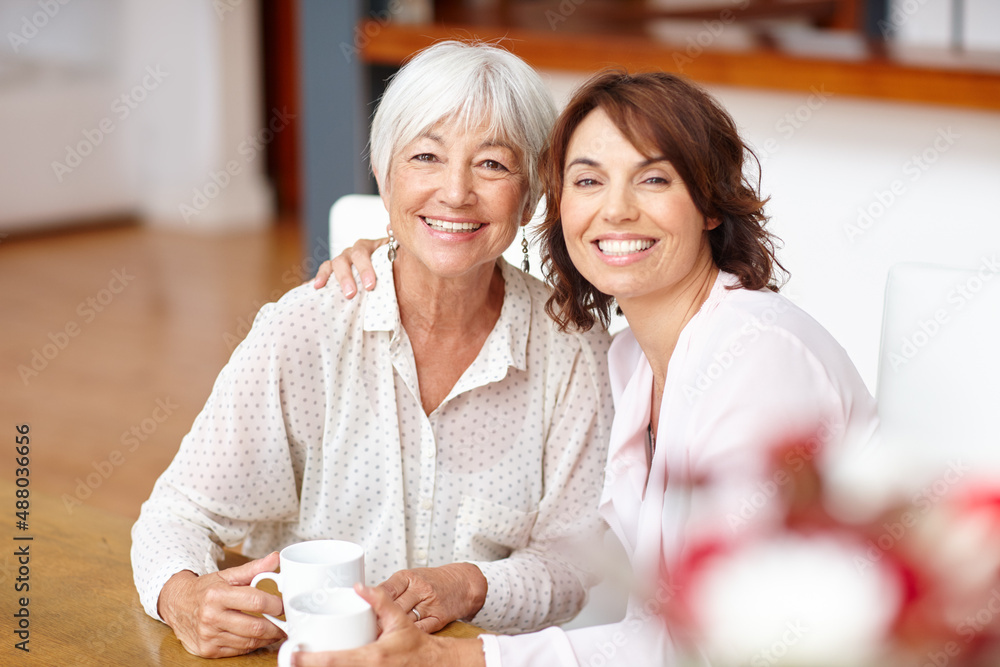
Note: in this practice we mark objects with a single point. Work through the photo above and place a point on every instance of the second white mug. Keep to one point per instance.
(325, 620)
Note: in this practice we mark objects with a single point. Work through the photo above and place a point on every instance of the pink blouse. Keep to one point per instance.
(749, 370)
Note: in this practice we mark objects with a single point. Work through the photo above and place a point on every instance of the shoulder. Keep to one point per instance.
(759, 344)
(773, 328)
(759, 369)
(303, 315)
(308, 303)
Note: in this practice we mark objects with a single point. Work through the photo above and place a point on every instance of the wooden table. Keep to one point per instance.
(82, 605)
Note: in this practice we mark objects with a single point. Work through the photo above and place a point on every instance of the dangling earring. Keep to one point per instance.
(525, 265)
(392, 246)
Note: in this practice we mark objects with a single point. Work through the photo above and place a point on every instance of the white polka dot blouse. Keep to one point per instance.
(315, 430)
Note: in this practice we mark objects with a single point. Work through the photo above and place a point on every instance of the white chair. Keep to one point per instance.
(354, 217)
(939, 369)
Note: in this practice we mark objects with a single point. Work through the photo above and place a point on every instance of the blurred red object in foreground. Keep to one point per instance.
(918, 583)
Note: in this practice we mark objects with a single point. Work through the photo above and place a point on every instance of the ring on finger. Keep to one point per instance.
(415, 613)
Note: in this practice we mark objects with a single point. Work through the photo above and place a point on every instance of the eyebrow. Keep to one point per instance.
(497, 143)
(588, 162)
(489, 143)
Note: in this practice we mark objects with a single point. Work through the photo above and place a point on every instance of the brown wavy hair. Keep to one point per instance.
(661, 115)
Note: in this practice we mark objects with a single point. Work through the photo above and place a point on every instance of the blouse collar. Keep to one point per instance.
(507, 343)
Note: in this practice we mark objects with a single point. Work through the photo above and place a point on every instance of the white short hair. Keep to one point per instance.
(472, 83)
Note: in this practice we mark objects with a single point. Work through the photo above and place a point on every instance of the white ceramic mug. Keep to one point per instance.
(317, 564)
(328, 619)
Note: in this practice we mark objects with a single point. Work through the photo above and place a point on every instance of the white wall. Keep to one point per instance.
(201, 117)
(58, 78)
(828, 158)
(131, 107)
(929, 23)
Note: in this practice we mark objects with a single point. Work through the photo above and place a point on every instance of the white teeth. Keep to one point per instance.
(616, 247)
(445, 226)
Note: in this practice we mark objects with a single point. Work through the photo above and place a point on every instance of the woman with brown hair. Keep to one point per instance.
(650, 210)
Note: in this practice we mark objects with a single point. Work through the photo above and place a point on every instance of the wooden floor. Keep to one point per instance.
(111, 340)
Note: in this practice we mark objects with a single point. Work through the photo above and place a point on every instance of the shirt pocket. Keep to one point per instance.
(488, 531)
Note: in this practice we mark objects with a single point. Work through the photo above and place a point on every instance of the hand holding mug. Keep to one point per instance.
(332, 619)
(400, 644)
(210, 614)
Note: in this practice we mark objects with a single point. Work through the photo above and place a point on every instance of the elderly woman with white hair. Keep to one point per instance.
(442, 420)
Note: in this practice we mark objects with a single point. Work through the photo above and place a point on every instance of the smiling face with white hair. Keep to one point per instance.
(456, 199)
(455, 145)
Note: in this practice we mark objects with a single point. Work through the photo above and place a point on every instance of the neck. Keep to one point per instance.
(432, 305)
(656, 320)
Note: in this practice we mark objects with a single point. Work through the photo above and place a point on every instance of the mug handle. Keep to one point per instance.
(273, 576)
(276, 578)
(285, 652)
(277, 621)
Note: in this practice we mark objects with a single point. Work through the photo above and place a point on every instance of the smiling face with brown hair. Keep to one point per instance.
(630, 224)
